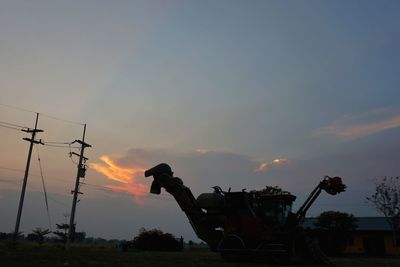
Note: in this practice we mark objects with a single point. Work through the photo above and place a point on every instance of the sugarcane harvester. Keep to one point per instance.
(241, 225)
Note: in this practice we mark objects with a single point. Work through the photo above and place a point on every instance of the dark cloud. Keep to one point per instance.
(200, 170)
(119, 215)
(358, 162)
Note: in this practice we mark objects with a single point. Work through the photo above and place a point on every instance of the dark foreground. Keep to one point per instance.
(50, 255)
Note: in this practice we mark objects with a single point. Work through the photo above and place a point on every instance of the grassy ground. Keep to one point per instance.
(51, 255)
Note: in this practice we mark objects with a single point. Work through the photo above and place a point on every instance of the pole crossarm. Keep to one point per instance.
(82, 143)
(29, 130)
(33, 141)
(76, 154)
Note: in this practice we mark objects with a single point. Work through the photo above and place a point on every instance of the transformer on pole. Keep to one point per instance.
(80, 174)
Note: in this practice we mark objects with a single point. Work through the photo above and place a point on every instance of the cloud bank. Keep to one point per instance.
(201, 169)
(354, 126)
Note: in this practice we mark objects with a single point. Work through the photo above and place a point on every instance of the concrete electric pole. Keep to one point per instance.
(21, 200)
(80, 174)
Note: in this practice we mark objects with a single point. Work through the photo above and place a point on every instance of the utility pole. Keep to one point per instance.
(80, 174)
(28, 162)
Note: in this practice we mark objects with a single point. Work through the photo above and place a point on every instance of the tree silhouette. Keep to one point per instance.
(3, 236)
(79, 237)
(335, 228)
(62, 232)
(19, 235)
(386, 200)
(156, 240)
(38, 235)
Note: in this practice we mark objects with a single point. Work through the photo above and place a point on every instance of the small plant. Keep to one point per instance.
(38, 235)
(62, 232)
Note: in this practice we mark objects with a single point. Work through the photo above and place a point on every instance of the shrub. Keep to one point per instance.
(156, 240)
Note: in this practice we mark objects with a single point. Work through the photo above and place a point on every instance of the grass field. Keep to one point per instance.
(50, 255)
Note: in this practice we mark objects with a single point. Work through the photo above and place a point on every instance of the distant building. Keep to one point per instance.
(372, 237)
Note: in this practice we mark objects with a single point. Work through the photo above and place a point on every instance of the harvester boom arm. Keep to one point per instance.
(163, 178)
(332, 185)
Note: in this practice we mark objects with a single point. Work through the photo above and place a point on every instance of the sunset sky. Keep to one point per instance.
(238, 94)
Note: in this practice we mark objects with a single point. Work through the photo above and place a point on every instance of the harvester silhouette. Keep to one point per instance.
(242, 225)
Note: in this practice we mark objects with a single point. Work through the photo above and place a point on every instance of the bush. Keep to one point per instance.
(156, 240)
(334, 229)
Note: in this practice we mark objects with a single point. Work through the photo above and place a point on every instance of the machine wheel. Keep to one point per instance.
(318, 256)
(306, 251)
(232, 248)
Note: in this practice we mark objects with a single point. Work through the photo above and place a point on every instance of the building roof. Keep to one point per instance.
(363, 223)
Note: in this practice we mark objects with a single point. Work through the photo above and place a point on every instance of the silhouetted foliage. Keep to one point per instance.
(17, 236)
(156, 240)
(386, 200)
(79, 237)
(62, 232)
(336, 221)
(334, 230)
(190, 244)
(3, 236)
(38, 235)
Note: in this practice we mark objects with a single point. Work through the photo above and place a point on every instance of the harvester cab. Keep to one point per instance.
(239, 225)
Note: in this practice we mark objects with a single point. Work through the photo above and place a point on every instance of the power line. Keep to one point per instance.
(17, 108)
(20, 170)
(70, 155)
(60, 146)
(57, 201)
(50, 145)
(101, 187)
(59, 119)
(12, 124)
(10, 180)
(43, 114)
(105, 188)
(11, 169)
(10, 127)
(59, 143)
(44, 188)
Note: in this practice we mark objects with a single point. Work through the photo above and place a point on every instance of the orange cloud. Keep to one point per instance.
(279, 161)
(264, 166)
(127, 176)
(202, 151)
(354, 126)
(135, 190)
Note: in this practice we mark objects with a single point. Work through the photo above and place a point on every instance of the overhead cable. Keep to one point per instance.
(43, 114)
(44, 188)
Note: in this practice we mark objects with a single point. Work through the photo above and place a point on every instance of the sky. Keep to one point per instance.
(239, 94)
